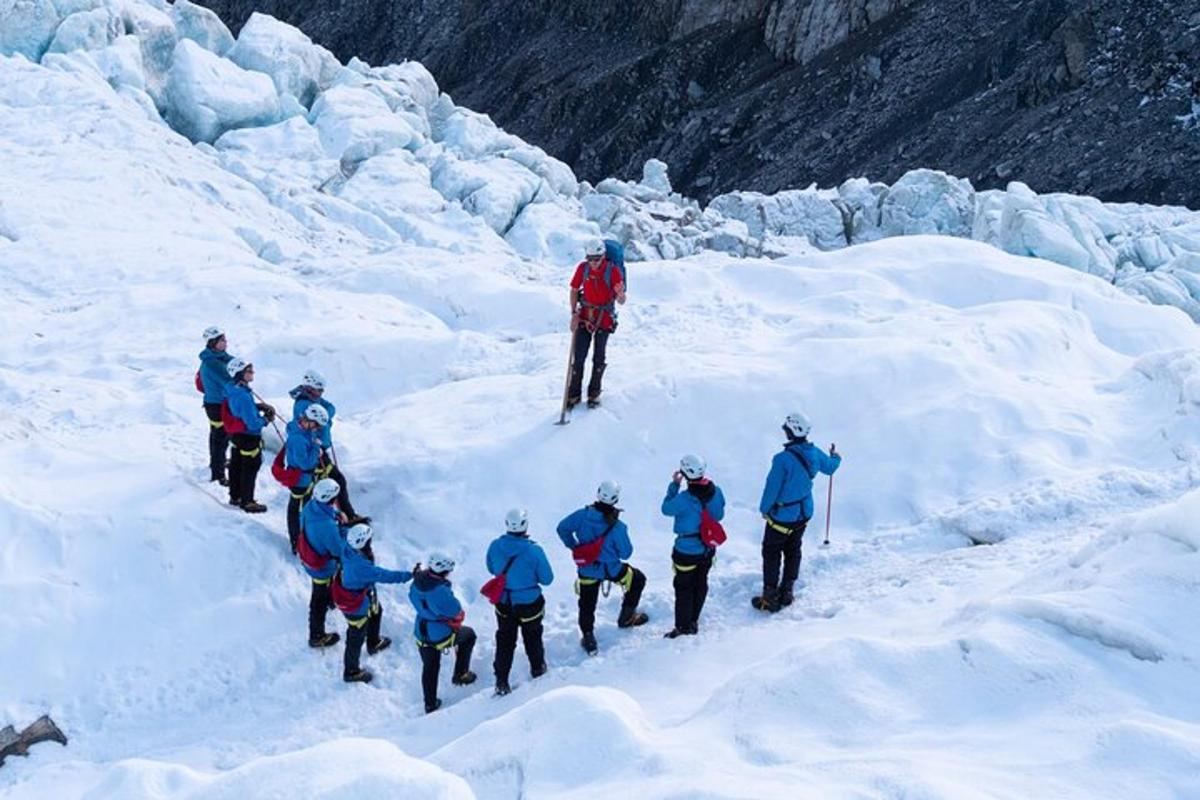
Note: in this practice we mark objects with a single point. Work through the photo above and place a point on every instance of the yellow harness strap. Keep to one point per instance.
(442, 645)
(321, 581)
(216, 423)
(250, 453)
(775, 526)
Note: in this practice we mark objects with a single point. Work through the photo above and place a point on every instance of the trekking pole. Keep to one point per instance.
(333, 453)
(278, 432)
(829, 501)
(562, 417)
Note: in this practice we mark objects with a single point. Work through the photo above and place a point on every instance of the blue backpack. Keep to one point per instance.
(614, 254)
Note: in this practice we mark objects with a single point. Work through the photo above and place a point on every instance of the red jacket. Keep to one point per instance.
(597, 297)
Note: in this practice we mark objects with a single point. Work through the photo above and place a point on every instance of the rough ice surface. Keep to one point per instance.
(207, 95)
(202, 26)
(27, 27)
(296, 65)
(87, 30)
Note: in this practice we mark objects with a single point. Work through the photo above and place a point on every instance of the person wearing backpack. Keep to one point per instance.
(692, 557)
(210, 380)
(520, 605)
(244, 419)
(600, 545)
(598, 284)
(353, 589)
(311, 392)
(787, 506)
(438, 627)
(302, 451)
(320, 546)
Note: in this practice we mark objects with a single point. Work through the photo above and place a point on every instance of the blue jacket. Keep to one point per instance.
(302, 451)
(585, 525)
(213, 375)
(787, 495)
(303, 402)
(242, 406)
(530, 568)
(359, 573)
(319, 525)
(435, 603)
(685, 508)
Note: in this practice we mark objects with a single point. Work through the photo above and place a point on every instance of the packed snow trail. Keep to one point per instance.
(975, 396)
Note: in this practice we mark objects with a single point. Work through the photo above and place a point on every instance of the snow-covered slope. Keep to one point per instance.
(978, 397)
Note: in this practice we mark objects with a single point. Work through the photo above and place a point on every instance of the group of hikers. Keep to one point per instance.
(333, 543)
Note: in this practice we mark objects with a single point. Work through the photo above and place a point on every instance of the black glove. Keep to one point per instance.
(268, 414)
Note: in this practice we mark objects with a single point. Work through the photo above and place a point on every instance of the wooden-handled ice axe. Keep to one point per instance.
(829, 501)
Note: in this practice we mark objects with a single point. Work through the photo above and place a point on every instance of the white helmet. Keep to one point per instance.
(358, 535)
(692, 467)
(313, 379)
(797, 424)
(594, 247)
(326, 489)
(317, 413)
(609, 492)
(235, 366)
(213, 332)
(516, 520)
(440, 562)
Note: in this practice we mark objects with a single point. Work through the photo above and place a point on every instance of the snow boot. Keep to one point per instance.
(384, 644)
(674, 633)
(253, 507)
(502, 688)
(632, 620)
(466, 679)
(432, 707)
(588, 643)
(358, 676)
(593, 402)
(325, 640)
(786, 598)
(767, 601)
(538, 671)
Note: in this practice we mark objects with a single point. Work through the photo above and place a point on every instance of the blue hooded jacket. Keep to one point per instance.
(242, 406)
(787, 495)
(319, 525)
(530, 568)
(685, 508)
(585, 525)
(302, 451)
(435, 603)
(213, 375)
(359, 573)
(303, 401)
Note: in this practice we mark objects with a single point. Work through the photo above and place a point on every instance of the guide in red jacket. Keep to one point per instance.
(595, 289)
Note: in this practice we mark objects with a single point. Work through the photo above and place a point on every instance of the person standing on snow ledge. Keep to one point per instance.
(302, 451)
(521, 605)
(353, 589)
(599, 544)
(439, 627)
(691, 558)
(210, 380)
(319, 547)
(311, 392)
(787, 506)
(595, 288)
(241, 417)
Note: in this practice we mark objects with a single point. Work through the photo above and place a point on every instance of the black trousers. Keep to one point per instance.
(431, 662)
(526, 617)
(244, 463)
(318, 606)
(343, 498)
(583, 340)
(785, 546)
(359, 630)
(218, 441)
(589, 595)
(691, 586)
(295, 505)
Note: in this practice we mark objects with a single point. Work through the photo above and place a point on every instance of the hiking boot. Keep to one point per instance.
(538, 671)
(383, 644)
(253, 507)
(432, 707)
(633, 620)
(765, 603)
(502, 688)
(324, 640)
(233, 501)
(466, 679)
(786, 598)
(588, 643)
(358, 676)
(692, 630)
(675, 633)
(593, 402)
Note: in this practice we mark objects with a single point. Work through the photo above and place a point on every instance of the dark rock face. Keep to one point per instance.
(1086, 96)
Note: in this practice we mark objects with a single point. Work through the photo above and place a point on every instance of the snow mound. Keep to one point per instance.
(207, 95)
(28, 27)
(296, 66)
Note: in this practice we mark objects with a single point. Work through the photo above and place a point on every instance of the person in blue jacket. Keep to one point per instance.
(438, 627)
(320, 546)
(691, 559)
(311, 392)
(244, 424)
(601, 520)
(787, 506)
(522, 607)
(354, 591)
(212, 378)
(302, 451)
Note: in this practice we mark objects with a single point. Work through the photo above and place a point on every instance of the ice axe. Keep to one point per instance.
(562, 417)
(829, 501)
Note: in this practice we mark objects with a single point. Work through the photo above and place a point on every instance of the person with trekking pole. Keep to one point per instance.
(786, 507)
(244, 419)
(520, 569)
(311, 392)
(596, 287)
(694, 550)
(211, 379)
(439, 627)
(599, 543)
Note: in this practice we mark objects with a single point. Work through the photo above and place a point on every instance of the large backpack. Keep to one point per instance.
(614, 254)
